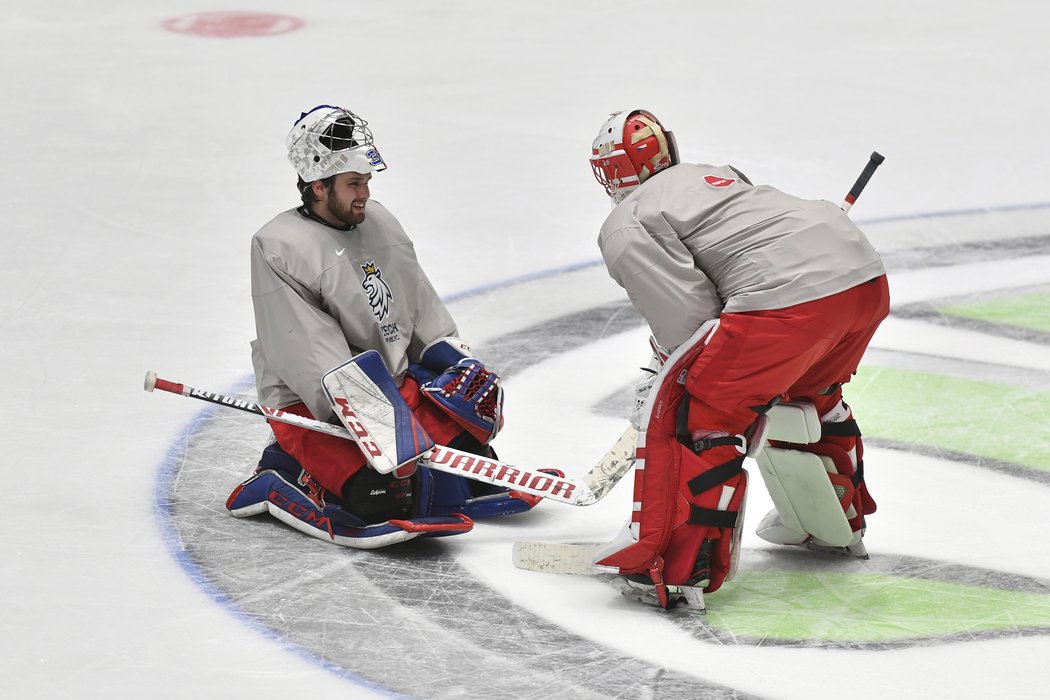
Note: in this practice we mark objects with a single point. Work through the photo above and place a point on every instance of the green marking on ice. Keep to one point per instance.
(866, 608)
(1030, 310)
(1008, 423)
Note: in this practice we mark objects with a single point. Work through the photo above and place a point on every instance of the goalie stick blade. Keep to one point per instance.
(559, 557)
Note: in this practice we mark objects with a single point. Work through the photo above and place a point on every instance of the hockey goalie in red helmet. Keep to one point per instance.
(630, 147)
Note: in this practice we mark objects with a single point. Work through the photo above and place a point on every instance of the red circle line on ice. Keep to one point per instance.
(228, 25)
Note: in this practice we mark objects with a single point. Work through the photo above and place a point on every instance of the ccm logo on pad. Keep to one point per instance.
(718, 181)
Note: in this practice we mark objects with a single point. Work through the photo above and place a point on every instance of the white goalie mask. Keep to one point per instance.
(329, 140)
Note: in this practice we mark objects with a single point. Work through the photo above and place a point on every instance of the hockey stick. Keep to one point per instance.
(592, 487)
(874, 161)
(577, 558)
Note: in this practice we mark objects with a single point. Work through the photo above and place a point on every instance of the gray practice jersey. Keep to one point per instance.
(696, 240)
(322, 295)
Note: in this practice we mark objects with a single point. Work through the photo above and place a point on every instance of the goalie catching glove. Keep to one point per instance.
(461, 386)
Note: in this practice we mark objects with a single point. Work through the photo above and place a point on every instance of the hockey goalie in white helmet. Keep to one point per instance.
(630, 147)
(329, 141)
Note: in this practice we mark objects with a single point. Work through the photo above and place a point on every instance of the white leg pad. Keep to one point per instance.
(794, 422)
(805, 499)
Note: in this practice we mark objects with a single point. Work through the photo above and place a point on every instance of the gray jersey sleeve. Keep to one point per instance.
(432, 319)
(661, 279)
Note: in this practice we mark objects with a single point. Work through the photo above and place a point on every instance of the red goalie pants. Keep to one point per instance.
(684, 497)
(332, 460)
(793, 353)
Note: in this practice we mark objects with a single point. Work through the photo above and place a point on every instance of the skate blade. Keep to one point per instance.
(857, 551)
(644, 593)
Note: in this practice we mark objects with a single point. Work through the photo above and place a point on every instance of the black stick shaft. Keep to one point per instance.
(873, 162)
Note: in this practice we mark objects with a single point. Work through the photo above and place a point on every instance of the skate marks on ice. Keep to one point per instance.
(356, 612)
(410, 619)
(888, 602)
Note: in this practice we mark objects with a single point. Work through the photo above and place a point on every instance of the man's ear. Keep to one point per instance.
(319, 189)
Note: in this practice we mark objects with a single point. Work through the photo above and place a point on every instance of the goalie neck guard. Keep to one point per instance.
(327, 141)
(629, 148)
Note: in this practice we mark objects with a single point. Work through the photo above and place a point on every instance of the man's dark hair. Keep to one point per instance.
(306, 192)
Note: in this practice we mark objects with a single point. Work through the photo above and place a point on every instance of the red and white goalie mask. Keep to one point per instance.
(629, 148)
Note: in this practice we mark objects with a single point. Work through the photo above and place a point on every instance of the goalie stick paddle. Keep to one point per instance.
(558, 557)
(592, 487)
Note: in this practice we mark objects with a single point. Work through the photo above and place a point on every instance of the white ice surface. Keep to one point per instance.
(137, 164)
(920, 499)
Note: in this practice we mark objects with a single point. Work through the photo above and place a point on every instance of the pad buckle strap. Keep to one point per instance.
(858, 475)
(715, 476)
(721, 519)
(739, 441)
(656, 574)
(846, 428)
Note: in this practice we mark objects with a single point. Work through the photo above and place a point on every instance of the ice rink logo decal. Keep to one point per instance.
(232, 25)
(378, 291)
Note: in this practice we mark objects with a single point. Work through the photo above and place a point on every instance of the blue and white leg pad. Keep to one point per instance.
(269, 491)
(283, 489)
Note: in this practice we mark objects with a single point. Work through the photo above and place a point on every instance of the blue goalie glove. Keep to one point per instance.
(462, 387)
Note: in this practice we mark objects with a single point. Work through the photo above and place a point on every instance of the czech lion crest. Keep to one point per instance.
(377, 290)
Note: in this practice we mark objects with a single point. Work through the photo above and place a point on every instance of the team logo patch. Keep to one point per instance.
(719, 181)
(373, 157)
(377, 290)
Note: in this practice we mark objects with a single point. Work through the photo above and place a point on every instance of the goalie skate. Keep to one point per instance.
(772, 529)
(638, 587)
(857, 550)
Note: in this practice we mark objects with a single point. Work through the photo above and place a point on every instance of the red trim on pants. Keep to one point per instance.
(332, 460)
